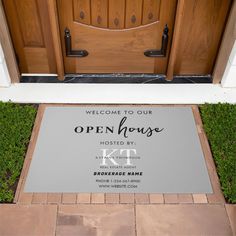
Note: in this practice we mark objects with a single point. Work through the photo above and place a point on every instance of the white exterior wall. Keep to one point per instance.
(229, 77)
(5, 80)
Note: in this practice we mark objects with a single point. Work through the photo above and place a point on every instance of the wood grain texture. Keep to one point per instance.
(201, 31)
(124, 53)
(116, 14)
(226, 46)
(14, 28)
(99, 9)
(29, 25)
(113, 14)
(6, 43)
(47, 34)
(33, 24)
(176, 39)
(116, 50)
(36, 63)
(133, 15)
(167, 17)
(81, 10)
(54, 27)
(65, 18)
(151, 11)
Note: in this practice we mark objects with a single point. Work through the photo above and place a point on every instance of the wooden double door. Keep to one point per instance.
(113, 35)
(116, 36)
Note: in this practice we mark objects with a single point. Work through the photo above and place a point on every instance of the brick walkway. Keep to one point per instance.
(118, 214)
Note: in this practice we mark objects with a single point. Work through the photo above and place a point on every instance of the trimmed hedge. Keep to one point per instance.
(220, 125)
(16, 122)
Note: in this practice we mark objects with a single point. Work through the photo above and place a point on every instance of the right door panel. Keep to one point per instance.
(203, 25)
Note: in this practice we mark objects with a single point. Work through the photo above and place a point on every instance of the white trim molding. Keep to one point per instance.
(118, 93)
(229, 77)
(5, 80)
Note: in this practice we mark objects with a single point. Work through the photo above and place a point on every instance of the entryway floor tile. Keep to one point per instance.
(189, 220)
(27, 220)
(96, 220)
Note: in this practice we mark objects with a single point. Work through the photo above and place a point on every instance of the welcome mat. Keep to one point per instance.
(118, 149)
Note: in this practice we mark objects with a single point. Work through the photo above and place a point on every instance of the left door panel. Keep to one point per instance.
(28, 21)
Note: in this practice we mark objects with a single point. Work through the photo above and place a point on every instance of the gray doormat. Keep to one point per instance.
(118, 149)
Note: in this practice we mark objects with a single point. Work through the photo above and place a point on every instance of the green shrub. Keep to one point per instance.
(220, 125)
(16, 122)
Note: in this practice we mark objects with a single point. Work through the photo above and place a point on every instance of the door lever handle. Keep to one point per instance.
(161, 52)
(69, 51)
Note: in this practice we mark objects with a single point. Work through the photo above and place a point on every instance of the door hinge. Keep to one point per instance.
(161, 52)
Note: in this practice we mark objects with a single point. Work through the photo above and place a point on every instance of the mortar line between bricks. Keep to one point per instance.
(57, 219)
(135, 221)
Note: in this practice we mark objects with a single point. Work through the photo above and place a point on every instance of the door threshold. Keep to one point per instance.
(117, 79)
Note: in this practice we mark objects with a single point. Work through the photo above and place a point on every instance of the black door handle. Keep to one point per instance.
(69, 51)
(164, 45)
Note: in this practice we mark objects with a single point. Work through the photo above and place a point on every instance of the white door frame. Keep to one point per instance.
(5, 80)
(225, 70)
(9, 67)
